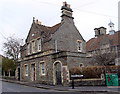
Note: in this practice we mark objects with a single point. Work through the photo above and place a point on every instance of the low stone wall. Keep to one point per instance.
(9, 78)
(88, 82)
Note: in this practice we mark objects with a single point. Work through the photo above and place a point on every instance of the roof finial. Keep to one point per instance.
(111, 25)
(33, 19)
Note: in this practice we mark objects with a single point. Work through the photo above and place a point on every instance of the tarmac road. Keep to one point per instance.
(12, 88)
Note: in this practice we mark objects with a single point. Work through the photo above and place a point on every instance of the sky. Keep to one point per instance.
(16, 16)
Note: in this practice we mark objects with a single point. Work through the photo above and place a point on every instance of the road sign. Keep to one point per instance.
(112, 79)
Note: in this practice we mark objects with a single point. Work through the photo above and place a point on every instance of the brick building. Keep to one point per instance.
(49, 52)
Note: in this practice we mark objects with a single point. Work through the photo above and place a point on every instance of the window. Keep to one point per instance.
(79, 44)
(26, 70)
(42, 68)
(28, 49)
(33, 46)
(39, 44)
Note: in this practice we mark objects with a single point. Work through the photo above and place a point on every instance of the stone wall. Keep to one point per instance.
(89, 82)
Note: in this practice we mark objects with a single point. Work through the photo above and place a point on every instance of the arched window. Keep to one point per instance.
(81, 65)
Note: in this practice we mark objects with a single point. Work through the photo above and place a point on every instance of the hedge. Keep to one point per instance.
(94, 71)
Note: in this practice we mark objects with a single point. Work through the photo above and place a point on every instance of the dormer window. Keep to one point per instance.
(39, 44)
(79, 45)
(33, 46)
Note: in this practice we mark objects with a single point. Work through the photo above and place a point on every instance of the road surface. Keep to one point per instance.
(11, 87)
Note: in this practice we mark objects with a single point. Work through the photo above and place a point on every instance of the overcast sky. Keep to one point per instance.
(16, 16)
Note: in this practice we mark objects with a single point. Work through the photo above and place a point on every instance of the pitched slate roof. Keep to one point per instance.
(94, 43)
(45, 31)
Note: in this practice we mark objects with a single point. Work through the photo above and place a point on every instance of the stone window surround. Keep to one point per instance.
(78, 45)
(40, 69)
(31, 47)
(25, 74)
(81, 65)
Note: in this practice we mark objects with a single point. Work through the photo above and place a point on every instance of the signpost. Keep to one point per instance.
(75, 76)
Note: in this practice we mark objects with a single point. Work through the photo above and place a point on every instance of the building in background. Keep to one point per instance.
(119, 15)
(105, 43)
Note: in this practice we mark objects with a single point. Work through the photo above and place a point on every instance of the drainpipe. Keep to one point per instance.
(116, 48)
(55, 45)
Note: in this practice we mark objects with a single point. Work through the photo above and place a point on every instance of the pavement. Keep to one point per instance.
(100, 89)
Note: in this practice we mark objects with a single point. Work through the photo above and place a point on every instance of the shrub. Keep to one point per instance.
(94, 71)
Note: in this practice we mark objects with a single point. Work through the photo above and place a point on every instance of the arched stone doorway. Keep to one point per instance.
(57, 73)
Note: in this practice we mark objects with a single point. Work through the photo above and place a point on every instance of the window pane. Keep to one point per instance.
(42, 69)
(26, 70)
(33, 45)
(39, 45)
(28, 48)
(79, 45)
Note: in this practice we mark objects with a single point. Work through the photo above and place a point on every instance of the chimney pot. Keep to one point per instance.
(68, 5)
(33, 19)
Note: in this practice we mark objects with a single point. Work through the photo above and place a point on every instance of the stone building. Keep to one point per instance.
(105, 43)
(49, 52)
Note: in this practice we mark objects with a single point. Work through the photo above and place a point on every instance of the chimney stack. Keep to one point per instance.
(66, 11)
(100, 31)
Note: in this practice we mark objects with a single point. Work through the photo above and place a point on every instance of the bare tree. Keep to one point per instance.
(12, 47)
(104, 59)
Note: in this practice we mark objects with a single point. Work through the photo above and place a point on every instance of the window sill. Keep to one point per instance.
(39, 50)
(79, 50)
(26, 75)
(42, 74)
